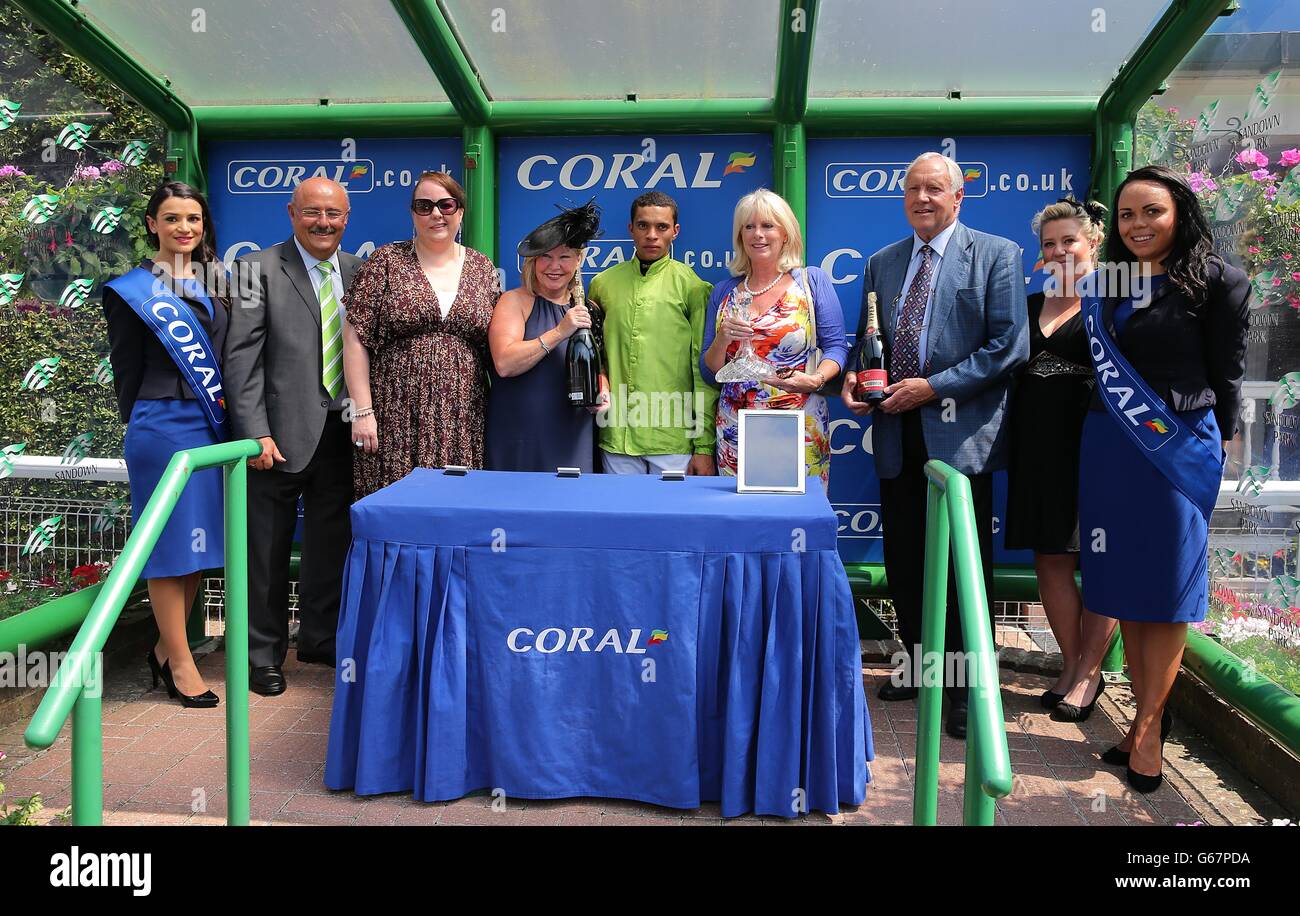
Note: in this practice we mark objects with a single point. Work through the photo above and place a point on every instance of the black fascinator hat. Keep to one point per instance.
(573, 228)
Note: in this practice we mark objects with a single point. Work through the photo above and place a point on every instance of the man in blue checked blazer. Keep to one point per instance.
(955, 326)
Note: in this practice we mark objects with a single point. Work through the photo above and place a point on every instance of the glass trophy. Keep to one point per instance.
(747, 366)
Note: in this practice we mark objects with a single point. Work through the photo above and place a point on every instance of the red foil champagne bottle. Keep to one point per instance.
(583, 361)
(872, 378)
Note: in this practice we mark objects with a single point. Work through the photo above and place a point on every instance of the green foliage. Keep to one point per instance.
(23, 814)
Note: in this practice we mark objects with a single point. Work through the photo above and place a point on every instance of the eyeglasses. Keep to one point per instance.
(423, 206)
(315, 213)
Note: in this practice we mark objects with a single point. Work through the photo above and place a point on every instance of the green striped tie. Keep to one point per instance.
(331, 333)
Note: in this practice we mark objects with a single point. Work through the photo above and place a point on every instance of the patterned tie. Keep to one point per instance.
(331, 333)
(906, 359)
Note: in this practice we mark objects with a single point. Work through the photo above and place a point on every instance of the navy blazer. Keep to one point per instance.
(1191, 353)
(978, 338)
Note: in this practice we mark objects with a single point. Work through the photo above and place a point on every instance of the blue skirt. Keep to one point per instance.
(194, 538)
(1142, 544)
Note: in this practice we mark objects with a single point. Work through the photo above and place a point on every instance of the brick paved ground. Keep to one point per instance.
(166, 765)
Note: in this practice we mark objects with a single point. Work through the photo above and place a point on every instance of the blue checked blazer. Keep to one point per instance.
(978, 338)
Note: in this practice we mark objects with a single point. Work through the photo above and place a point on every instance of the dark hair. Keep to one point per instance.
(653, 199)
(208, 245)
(1187, 264)
(451, 184)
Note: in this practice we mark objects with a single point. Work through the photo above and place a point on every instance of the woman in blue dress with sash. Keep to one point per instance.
(166, 332)
(1169, 366)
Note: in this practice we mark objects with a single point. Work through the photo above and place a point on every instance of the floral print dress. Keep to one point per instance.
(781, 336)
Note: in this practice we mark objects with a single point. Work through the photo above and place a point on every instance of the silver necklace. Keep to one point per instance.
(757, 293)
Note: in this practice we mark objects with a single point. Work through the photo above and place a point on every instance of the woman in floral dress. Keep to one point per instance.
(779, 325)
(415, 345)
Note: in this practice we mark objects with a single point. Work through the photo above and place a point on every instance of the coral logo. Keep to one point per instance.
(281, 176)
(9, 286)
(9, 113)
(627, 170)
(76, 293)
(107, 219)
(1157, 426)
(7, 456)
(41, 373)
(579, 639)
(102, 374)
(40, 209)
(738, 162)
(74, 136)
(42, 535)
(134, 152)
(77, 449)
(882, 180)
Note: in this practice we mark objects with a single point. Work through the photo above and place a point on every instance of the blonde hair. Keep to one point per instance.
(528, 272)
(765, 203)
(1093, 229)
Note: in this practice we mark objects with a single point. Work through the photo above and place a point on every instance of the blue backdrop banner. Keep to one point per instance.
(250, 182)
(706, 175)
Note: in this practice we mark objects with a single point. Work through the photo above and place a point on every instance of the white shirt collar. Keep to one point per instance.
(939, 243)
(310, 261)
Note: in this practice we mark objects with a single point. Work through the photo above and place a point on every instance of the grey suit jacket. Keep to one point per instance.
(978, 337)
(272, 369)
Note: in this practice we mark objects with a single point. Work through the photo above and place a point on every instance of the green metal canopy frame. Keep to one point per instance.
(789, 113)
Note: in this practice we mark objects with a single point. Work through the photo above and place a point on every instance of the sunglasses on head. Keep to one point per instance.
(423, 206)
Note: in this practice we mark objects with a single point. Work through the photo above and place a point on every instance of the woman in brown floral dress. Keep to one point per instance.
(415, 345)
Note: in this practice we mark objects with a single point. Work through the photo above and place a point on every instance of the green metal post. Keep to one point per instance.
(346, 119)
(790, 171)
(437, 40)
(934, 605)
(1113, 661)
(480, 226)
(88, 758)
(237, 748)
(794, 58)
(990, 759)
(182, 162)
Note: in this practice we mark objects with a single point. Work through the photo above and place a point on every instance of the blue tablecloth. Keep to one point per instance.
(671, 642)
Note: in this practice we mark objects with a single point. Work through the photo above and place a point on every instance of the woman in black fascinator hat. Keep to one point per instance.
(531, 427)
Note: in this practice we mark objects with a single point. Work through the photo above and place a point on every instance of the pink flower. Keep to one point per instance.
(85, 173)
(1295, 275)
(1294, 301)
(1277, 281)
(1286, 256)
(1173, 111)
(1249, 157)
(1262, 175)
(1211, 184)
(1253, 249)
(11, 171)
(1270, 192)
(111, 167)
(1290, 157)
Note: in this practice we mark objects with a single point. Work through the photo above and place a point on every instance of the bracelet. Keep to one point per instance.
(821, 380)
(543, 343)
(363, 412)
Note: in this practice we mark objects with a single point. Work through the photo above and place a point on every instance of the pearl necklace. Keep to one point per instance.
(757, 293)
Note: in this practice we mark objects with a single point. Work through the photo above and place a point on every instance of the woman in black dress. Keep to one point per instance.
(1047, 413)
(530, 424)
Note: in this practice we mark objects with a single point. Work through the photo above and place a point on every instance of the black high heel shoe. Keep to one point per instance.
(1051, 699)
(154, 668)
(1068, 712)
(205, 700)
(1119, 758)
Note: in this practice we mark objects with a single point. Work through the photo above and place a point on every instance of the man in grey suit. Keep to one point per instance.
(284, 387)
(955, 326)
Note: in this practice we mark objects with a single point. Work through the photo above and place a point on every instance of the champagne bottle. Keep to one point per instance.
(872, 377)
(583, 361)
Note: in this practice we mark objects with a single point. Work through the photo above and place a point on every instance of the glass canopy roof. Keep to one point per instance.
(240, 52)
(977, 47)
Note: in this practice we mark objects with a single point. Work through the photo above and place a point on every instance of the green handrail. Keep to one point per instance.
(950, 519)
(77, 686)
